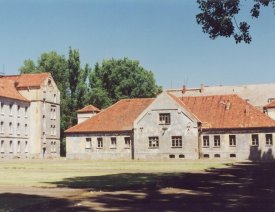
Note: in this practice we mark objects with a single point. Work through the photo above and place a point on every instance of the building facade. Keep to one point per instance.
(31, 126)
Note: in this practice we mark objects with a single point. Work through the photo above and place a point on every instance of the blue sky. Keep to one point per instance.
(163, 35)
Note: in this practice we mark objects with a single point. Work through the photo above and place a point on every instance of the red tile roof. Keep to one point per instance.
(28, 80)
(88, 109)
(118, 117)
(270, 105)
(226, 111)
(8, 90)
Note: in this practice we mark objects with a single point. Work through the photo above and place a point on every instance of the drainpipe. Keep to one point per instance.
(199, 139)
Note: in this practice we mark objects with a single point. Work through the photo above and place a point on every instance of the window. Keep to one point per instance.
(164, 118)
(113, 142)
(18, 110)
(181, 156)
(205, 141)
(268, 140)
(176, 141)
(54, 98)
(26, 147)
(127, 141)
(232, 155)
(217, 141)
(26, 129)
(18, 147)
(2, 127)
(11, 148)
(88, 144)
(2, 148)
(10, 109)
(18, 129)
(232, 140)
(217, 156)
(54, 131)
(54, 147)
(171, 156)
(153, 142)
(2, 108)
(99, 143)
(255, 140)
(26, 111)
(10, 126)
(206, 155)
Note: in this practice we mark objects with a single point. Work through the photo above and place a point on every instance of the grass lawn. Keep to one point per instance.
(169, 185)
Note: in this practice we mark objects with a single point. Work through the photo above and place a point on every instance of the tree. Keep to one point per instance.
(118, 79)
(218, 18)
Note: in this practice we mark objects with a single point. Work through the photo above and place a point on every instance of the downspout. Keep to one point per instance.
(199, 139)
(132, 145)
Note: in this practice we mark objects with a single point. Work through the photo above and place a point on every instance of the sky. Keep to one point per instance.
(162, 35)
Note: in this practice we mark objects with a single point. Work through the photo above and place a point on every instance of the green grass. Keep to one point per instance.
(46, 172)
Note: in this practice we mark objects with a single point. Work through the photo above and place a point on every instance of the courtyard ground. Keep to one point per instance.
(174, 185)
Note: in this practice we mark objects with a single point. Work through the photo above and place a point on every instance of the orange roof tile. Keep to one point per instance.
(118, 117)
(270, 104)
(28, 80)
(88, 108)
(226, 111)
(8, 90)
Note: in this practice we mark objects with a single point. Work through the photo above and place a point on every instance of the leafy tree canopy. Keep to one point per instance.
(218, 18)
(117, 79)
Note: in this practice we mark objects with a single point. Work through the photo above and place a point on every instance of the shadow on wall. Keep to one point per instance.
(256, 154)
(238, 187)
(24, 202)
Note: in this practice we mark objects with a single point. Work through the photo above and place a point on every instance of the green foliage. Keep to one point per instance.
(218, 18)
(119, 79)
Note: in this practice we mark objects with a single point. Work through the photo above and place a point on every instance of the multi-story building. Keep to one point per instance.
(30, 116)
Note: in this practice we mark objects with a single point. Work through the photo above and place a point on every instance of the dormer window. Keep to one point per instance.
(164, 118)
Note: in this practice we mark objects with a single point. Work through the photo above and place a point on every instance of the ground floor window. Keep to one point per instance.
(171, 156)
(232, 140)
(11, 147)
(88, 143)
(176, 141)
(2, 148)
(205, 141)
(153, 142)
(181, 156)
(268, 139)
(26, 147)
(255, 140)
(113, 142)
(217, 141)
(99, 143)
(127, 141)
(18, 147)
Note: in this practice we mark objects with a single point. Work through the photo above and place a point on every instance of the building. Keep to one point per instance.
(217, 126)
(30, 116)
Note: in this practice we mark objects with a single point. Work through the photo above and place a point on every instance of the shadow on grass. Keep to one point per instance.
(238, 187)
(23, 202)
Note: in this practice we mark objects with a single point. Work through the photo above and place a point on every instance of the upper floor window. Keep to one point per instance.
(18, 128)
(10, 126)
(2, 108)
(153, 142)
(268, 139)
(88, 144)
(26, 129)
(2, 127)
(217, 141)
(255, 140)
(127, 142)
(26, 111)
(176, 141)
(54, 98)
(205, 141)
(10, 109)
(18, 110)
(232, 140)
(99, 143)
(164, 118)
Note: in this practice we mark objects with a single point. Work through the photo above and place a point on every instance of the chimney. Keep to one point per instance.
(183, 89)
(202, 88)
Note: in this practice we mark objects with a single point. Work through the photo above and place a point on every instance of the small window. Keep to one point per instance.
(99, 143)
(177, 141)
(2, 108)
(217, 141)
(217, 156)
(164, 118)
(26, 147)
(18, 110)
(172, 156)
(127, 142)
(206, 155)
(232, 155)
(113, 142)
(88, 144)
(10, 126)
(10, 109)
(26, 129)
(18, 129)
(18, 147)
(181, 156)
(2, 127)
(26, 111)
(232, 140)
(153, 142)
(11, 147)
(268, 140)
(255, 140)
(2, 147)
(54, 98)
(205, 141)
